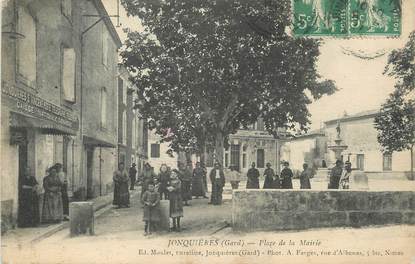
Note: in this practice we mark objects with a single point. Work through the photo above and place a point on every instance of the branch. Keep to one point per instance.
(203, 103)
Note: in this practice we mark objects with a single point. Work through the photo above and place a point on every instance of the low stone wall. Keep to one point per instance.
(254, 210)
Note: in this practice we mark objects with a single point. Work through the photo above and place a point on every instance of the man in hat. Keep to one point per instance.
(335, 174)
(132, 172)
(217, 178)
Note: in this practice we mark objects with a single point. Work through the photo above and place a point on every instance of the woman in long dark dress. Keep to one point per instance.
(269, 177)
(64, 190)
(286, 175)
(176, 202)
(305, 177)
(52, 203)
(197, 181)
(121, 191)
(29, 201)
(253, 177)
(164, 178)
(185, 176)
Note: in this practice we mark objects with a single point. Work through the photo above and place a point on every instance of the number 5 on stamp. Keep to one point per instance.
(346, 18)
(375, 17)
(320, 17)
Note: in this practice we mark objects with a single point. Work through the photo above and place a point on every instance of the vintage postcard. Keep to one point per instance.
(207, 131)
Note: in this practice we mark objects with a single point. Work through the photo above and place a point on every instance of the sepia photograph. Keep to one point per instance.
(207, 131)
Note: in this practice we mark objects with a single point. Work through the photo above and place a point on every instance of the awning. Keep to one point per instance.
(97, 142)
(45, 126)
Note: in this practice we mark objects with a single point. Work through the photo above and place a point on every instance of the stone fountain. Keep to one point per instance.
(323, 174)
(338, 148)
(359, 180)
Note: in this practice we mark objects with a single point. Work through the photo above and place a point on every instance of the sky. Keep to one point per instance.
(361, 83)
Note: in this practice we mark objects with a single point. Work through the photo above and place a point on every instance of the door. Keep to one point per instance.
(89, 173)
(22, 166)
(360, 160)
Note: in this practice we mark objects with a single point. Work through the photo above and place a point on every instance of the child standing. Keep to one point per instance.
(175, 197)
(151, 214)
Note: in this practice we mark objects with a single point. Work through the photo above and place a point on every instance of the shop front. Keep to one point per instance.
(35, 135)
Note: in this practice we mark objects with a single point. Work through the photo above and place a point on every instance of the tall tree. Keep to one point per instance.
(221, 65)
(396, 122)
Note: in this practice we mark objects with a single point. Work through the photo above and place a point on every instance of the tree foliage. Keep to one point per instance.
(396, 121)
(206, 68)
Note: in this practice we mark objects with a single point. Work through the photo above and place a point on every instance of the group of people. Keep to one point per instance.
(274, 181)
(55, 206)
(340, 176)
(177, 185)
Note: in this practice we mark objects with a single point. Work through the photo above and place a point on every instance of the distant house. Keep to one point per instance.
(253, 144)
(364, 151)
(310, 148)
(158, 153)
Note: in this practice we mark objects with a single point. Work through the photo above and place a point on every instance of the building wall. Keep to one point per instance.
(9, 174)
(53, 32)
(360, 136)
(96, 77)
(311, 150)
(164, 157)
(99, 74)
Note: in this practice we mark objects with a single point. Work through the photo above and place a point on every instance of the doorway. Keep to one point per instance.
(20, 138)
(89, 173)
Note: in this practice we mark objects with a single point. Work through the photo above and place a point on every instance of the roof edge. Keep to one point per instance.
(101, 9)
(362, 115)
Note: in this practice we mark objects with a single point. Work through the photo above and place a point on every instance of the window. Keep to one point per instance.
(387, 162)
(260, 158)
(244, 160)
(134, 134)
(105, 46)
(68, 74)
(66, 6)
(226, 160)
(235, 155)
(360, 162)
(124, 95)
(27, 47)
(155, 150)
(122, 91)
(124, 128)
(103, 107)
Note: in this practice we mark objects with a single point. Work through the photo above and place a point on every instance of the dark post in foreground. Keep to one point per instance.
(81, 216)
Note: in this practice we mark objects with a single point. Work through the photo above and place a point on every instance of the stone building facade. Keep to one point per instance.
(131, 136)
(364, 152)
(54, 69)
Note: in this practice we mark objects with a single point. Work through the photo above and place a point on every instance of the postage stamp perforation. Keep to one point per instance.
(346, 18)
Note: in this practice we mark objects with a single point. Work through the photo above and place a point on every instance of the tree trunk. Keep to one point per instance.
(203, 155)
(412, 163)
(188, 155)
(219, 148)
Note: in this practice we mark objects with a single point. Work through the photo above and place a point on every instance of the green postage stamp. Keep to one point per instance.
(345, 18)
